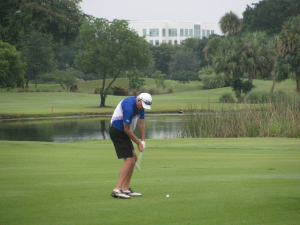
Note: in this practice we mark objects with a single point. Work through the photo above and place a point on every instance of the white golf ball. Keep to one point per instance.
(167, 196)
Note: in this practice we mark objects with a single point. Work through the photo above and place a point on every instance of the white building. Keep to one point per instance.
(174, 32)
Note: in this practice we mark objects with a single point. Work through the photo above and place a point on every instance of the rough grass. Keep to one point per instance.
(210, 181)
(277, 117)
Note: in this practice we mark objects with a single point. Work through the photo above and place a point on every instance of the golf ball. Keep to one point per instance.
(167, 196)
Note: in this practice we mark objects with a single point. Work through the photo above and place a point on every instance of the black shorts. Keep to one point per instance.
(122, 143)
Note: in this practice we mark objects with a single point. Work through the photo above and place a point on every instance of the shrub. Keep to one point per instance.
(211, 79)
(73, 88)
(170, 89)
(257, 97)
(118, 91)
(227, 98)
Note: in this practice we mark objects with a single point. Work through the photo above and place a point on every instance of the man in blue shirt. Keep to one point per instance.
(123, 122)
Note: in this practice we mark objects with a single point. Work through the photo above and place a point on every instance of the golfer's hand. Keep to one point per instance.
(141, 147)
(144, 144)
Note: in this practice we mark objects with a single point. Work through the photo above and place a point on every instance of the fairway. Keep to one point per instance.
(210, 181)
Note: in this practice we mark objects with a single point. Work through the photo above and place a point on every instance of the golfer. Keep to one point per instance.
(123, 122)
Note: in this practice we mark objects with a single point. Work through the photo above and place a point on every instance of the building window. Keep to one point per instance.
(154, 32)
(186, 33)
(191, 33)
(151, 42)
(170, 41)
(212, 31)
(203, 33)
(181, 32)
(144, 32)
(208, 33)
(175, 42)
(163, 32)
(132, 30)
(197, 31)
(181, 41)
(164, 41)
(156, 42)
(172, 32)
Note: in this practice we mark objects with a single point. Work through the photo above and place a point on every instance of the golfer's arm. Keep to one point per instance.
(131, 134)
(142, 126)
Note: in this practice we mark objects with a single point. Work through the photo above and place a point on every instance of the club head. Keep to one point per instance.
(137, 166)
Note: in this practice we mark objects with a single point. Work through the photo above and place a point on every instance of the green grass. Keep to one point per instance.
(30, 104)
(210, 181)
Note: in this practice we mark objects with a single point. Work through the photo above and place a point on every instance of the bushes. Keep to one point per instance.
(257, 97)
(227, 98)
(210, 79)
(113, 91)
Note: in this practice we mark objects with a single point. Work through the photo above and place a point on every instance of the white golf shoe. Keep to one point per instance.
(119, 194)
(132, 193)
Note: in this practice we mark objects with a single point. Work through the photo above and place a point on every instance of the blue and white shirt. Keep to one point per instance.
(128, 113)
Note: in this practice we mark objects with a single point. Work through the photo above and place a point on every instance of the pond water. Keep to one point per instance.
(66, 130)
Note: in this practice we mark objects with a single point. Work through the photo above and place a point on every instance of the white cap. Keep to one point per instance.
(146, 100)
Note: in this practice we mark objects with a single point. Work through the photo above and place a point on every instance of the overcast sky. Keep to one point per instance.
(203, 11)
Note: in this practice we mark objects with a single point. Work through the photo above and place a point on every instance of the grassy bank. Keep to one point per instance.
(278, 117)
(210, 181)
(37, 104)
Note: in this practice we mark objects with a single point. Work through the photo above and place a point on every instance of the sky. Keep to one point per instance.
(202, 11)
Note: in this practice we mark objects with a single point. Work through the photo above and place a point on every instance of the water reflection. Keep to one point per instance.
(82, 129)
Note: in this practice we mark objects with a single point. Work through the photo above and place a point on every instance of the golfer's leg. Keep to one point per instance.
(125, 170)
(126, 183)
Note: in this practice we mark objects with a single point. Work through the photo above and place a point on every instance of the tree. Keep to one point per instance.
(198, 47)
(211, 48)
(108, 49)
(289, 49)
(258, 55)
(11, 67)
(230, 24)
(135, 80)
(159, 79)
(269, 15)
(64, 55)
(184, 66)
(162, 56)
(66, 78)
(61, 18)
(227, 61)
(37, 52)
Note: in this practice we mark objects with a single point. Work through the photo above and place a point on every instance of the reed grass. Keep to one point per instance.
(279, 116)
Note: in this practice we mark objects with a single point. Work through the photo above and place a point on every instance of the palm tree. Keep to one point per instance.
(230, 24)
(258, 55)
(227, 61)
(289, 48)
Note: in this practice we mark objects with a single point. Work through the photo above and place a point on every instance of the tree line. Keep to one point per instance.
(54, 41)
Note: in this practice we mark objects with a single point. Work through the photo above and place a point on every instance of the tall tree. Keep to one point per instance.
(162, 56)
(37, 52)
(64, 55)
(227, 61)
(108, 49)
(198, 47)
(11, 67)
(184, 66)
(258, 55)
(230, 24)
(289, 48)
(269, 15)
(61, 18)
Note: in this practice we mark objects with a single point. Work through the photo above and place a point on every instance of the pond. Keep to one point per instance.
(66, 130)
